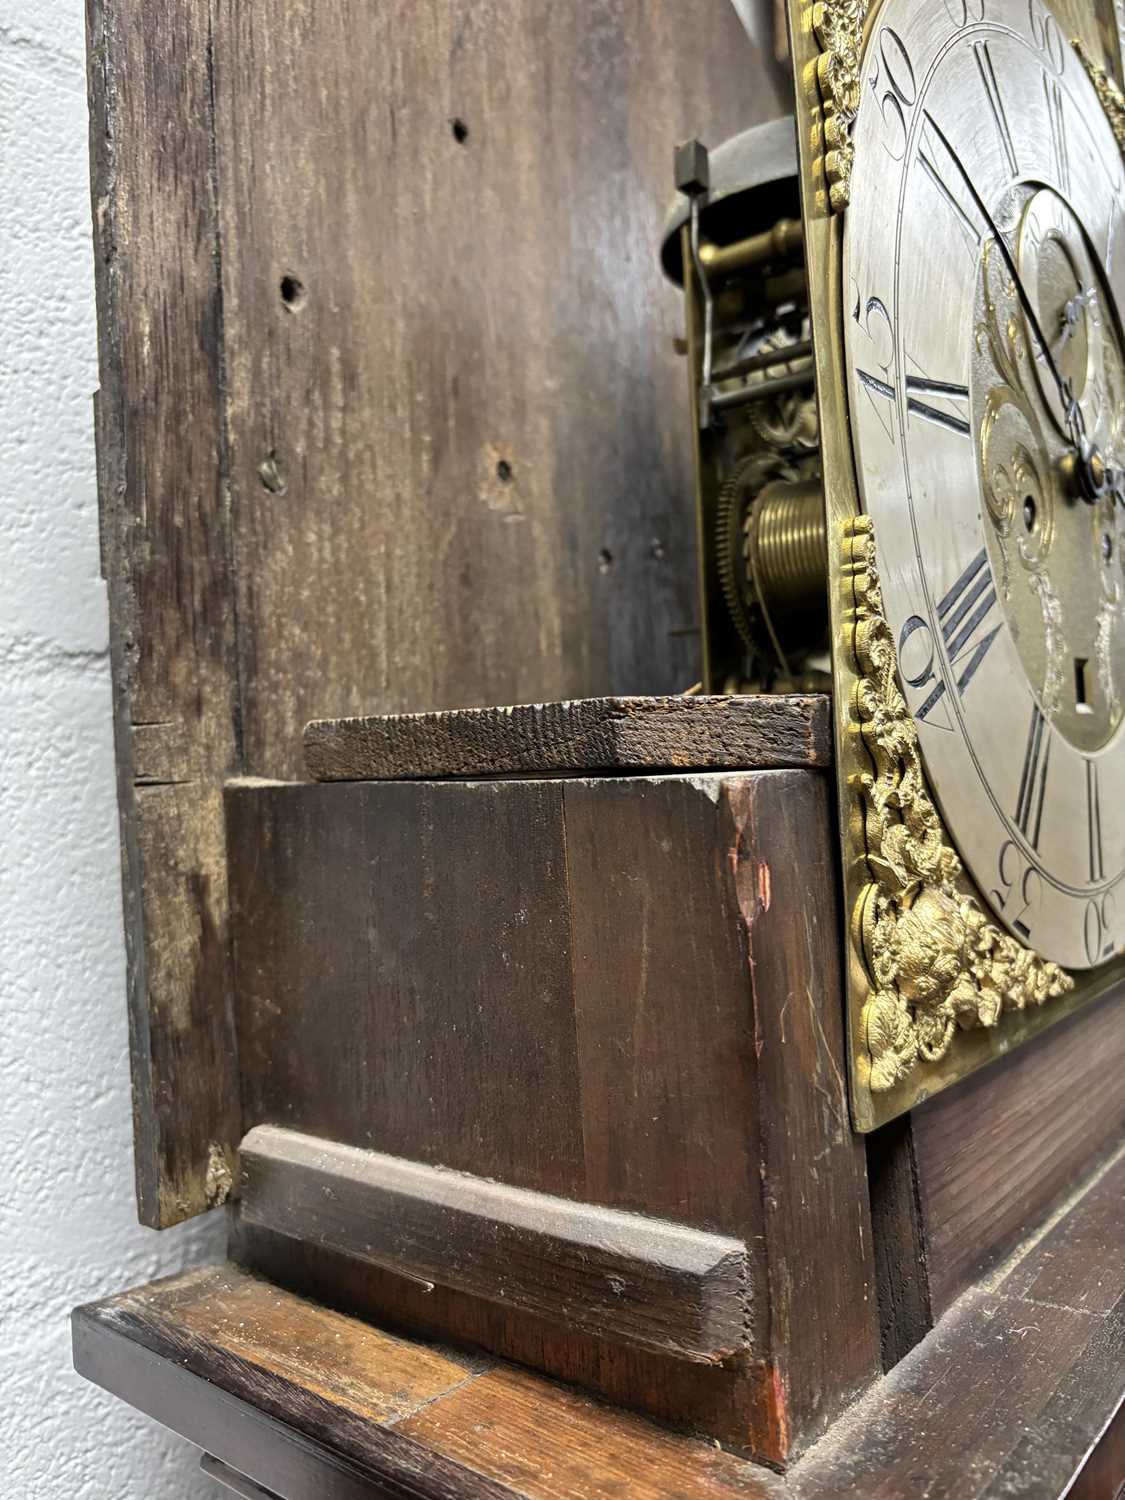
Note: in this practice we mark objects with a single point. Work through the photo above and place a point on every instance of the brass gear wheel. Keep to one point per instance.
(735, 499)
(732, 539)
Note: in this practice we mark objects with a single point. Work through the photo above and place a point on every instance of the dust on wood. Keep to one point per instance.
(595, 734)
(643, 1281)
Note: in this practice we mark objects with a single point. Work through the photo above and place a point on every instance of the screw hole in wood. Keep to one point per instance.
(292, 293)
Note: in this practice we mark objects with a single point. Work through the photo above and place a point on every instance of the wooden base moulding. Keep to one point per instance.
(620, 995)
(1017, 1393)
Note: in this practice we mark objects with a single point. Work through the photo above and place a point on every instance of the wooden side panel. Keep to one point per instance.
(662, 1003)
(460, 455)
(167, 559)
(666, 926)
(996, 1154)
(813, 1177)
(390, 416)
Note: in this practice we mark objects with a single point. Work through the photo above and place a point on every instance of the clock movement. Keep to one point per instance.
(908, 397)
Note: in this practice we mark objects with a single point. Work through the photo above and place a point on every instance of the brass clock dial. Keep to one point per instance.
(909, 405)
(983, 269)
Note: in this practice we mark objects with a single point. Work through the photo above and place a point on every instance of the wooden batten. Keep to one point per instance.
(687, 733)
(640, 1281)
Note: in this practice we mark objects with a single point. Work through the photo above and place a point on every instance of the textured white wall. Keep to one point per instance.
(68, 1230)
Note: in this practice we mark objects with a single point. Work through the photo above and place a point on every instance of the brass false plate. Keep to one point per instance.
(825, 50)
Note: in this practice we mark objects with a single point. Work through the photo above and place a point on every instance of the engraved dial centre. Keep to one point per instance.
(1058, 556)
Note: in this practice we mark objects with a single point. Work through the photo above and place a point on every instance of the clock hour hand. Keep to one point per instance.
(1075, 423)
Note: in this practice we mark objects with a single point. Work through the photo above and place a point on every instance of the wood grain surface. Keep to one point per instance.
(595, 989)
(167, 559)
(390, 417)
(460, 458)
(1015, 1393)
(1013, 1388)
(694, 1397)
(902, 1276)
(641, 1281)
(592, 734)
(996, 1154)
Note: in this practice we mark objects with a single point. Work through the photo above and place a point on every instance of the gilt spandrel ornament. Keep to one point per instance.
(936, 963)
(1109, 95)
(838, 25)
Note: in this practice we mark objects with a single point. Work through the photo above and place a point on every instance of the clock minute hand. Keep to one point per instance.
(1074, 420)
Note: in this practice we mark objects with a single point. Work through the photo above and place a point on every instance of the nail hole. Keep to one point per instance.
(273, 472)
(1029, 512)
(460, 131)
(605, 561)
(504, 471)
(292, 293)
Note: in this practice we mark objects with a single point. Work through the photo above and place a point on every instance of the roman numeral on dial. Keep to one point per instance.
(921, 393)
(918, 386)
(1058, 132)
(1094, 822)
(1033, 781)
(996, 104)
(942, 168)
(963, 614)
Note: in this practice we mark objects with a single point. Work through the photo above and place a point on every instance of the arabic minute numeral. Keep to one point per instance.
(893, 65)
(1046, 36)
(1020, 888)
(876, 323)
(1098, 928)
